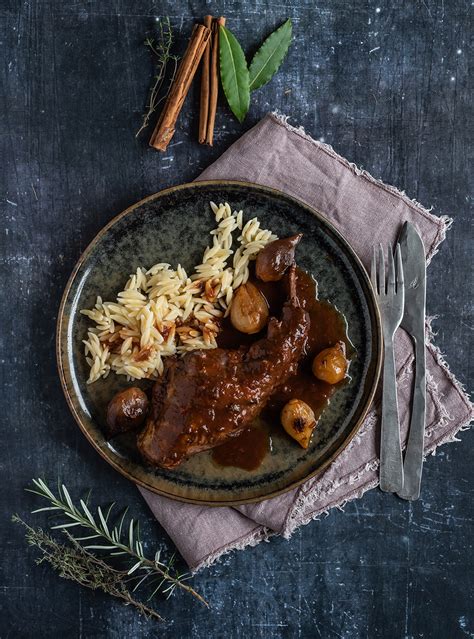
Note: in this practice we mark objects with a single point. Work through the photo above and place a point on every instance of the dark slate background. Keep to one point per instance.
(387, 85)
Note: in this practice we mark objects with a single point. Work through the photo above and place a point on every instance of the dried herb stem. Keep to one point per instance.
(160, 49)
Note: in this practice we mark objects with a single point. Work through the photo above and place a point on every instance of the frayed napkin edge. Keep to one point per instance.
(443, 222)
(253, 538)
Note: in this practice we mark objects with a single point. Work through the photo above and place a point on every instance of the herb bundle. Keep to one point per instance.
(113, 561)
(220, 51)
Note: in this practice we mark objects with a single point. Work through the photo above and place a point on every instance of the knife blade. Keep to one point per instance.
(413, 322)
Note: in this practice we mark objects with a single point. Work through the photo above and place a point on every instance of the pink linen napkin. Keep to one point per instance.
(366, 211)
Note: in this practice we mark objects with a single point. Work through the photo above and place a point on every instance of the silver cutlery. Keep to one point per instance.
(390, 295)
(413, 322)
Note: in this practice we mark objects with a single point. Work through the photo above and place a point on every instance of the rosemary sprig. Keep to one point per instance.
(75, 563)
(160, 50)
(122, 540)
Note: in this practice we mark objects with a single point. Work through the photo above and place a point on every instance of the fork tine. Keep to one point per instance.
(373, 270)
(400, 276)
(381, 271)
(391, 272)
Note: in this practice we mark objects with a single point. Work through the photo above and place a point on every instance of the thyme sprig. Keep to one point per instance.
(160, 49)
(75, 563)
(114, 543)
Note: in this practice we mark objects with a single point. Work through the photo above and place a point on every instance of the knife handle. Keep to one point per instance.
(413, 465)
(391, 465)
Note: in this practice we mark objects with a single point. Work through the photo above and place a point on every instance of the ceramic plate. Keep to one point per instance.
(173, 226)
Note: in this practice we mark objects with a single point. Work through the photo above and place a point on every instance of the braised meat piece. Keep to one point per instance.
(273, 260)
(207, 397)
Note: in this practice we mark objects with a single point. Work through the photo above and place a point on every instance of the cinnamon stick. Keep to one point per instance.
(214, 81)
(165, 127)
(205, 86)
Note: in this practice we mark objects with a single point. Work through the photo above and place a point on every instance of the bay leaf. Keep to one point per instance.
(234, 73)
(269, 57)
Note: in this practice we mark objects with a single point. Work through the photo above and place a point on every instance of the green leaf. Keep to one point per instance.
(102, 520)
(87, 513)
(134, 567)
(268, 58)
(234, 73)
(61, 526)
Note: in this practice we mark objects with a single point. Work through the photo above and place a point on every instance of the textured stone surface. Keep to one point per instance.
(387, 85)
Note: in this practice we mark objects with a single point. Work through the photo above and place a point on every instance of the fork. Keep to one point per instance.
(390, 294)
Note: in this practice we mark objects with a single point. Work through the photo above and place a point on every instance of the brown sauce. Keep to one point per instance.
(245, 451)
(328, 326)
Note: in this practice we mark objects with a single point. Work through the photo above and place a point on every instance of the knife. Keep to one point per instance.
(413, 322)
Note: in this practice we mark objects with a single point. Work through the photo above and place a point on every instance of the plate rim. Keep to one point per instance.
(378, 354)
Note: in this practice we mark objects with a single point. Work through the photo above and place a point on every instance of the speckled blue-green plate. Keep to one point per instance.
(173, 226)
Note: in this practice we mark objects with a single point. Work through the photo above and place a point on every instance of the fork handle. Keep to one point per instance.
(391, 464)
